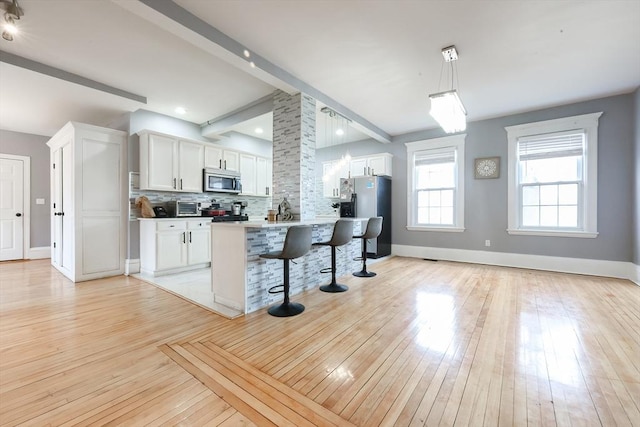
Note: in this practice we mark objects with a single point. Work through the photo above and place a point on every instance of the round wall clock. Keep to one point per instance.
(487, 167)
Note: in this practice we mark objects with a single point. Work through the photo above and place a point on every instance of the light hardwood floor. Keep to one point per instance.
(423, 343)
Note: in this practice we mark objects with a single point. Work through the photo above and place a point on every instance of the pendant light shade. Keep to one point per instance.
(448, 111)
(446, 107)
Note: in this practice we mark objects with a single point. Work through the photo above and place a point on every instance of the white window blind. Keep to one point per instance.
(564, 144)
(425, 159)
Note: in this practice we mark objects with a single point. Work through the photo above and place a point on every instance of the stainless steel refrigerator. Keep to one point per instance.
(372, 198)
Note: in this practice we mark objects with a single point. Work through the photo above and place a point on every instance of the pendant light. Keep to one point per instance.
(446, 107)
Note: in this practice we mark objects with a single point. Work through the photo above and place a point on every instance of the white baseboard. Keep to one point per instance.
(39, 253)
(635, 274)
(591, 267)
(131, 266)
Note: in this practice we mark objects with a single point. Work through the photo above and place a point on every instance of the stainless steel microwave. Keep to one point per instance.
(222, 181)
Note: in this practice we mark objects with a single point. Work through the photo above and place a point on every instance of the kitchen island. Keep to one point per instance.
(240, 278)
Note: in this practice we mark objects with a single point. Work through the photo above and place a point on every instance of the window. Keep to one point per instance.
(553, 177)
(435, 182)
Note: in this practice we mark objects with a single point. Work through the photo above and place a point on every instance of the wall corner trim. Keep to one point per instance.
(131, 266)
(590, 267)
(41, 252)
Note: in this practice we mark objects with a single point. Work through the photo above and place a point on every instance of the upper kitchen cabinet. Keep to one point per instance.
(168, 163)
(264, 176)
(89, 202)
(377, 164)
(248, 174)
(217, 157)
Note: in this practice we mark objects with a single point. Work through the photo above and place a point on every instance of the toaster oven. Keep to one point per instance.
(178, 208)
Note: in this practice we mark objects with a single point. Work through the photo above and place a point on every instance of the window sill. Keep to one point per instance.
(550, 233)
(427, 228)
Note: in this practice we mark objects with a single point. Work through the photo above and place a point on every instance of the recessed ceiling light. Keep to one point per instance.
(181, 110)
(247, 53)
(252, 64)
(259, 130)
(339, 132)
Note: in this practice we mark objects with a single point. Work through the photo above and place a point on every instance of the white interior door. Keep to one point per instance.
(11, 209)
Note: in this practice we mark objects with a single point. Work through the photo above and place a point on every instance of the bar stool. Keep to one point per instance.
(297, 242)
(374, 228)
(342, 234)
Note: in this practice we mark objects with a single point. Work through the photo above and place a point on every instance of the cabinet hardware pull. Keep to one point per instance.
(189, 237)
(174, 183)
(225, 164)
(220, 163)
(184, 237)
(181, 183)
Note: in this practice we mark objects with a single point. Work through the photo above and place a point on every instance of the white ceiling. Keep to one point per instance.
(379, 59)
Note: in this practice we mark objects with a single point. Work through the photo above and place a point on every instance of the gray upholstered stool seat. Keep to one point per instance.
(297, 242)
(342, 234)
(373, 230)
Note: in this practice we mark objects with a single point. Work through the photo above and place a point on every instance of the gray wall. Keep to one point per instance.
(486, 200)
(33, 146)
(636, 189)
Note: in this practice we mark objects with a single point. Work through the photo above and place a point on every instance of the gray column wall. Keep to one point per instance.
(33, 146)
(294, 146)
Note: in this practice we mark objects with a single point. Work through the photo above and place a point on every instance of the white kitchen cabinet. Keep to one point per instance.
(174, 245)
(264, 176)
(170, 164)
(248, 174)
(331, 173)
(220, 158)
(377, 164)
(89, 201)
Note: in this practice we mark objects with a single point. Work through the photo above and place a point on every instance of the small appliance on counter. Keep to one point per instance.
(178, 208)
(348, 209)
(213, 210)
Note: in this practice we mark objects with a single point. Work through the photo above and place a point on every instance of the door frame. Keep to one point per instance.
(26, 201)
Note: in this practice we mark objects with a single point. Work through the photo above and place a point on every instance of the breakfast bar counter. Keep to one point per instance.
(240, 278)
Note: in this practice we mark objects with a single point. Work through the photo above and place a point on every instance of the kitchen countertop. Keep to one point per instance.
(266, 224)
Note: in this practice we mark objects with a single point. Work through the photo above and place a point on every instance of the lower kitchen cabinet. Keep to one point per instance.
(174, 245)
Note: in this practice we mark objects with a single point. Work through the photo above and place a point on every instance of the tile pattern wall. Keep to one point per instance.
(294, 122)
(263, 273)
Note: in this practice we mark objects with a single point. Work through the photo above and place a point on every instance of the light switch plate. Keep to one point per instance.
(39, 201)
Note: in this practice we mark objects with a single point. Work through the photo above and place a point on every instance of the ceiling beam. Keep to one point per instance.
(184, 24)
(223, 123)
(57, 73)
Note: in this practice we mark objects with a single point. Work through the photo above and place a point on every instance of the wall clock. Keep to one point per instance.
(487, 167)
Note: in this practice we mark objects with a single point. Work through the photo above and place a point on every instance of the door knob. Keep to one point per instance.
(18, 214)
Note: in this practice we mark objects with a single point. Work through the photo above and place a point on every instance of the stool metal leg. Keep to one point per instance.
(287, 308)
(364, 272)
(333, 286)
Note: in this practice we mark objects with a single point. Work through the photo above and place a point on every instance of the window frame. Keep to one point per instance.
(457, 143)
(587, 123)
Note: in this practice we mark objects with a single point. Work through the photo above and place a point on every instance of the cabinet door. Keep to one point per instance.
(171, 249)
(248, 174)
(231, 160)
(380, 165)
(212, 157)
(162, 162)
(358, 167)
(191, 161)
(199, 246)
(263, 176)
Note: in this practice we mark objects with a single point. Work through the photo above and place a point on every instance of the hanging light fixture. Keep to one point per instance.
(12, 13)
(446, 107)
(336, 132)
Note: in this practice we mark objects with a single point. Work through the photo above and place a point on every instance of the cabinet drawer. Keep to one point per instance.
(171, 225)
(198, 225)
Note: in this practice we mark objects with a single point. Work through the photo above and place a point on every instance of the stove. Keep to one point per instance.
(225, 218)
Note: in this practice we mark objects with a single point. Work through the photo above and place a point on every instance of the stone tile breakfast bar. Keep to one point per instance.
(240, 279)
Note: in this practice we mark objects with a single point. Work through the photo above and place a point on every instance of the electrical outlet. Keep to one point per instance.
(487, 242)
